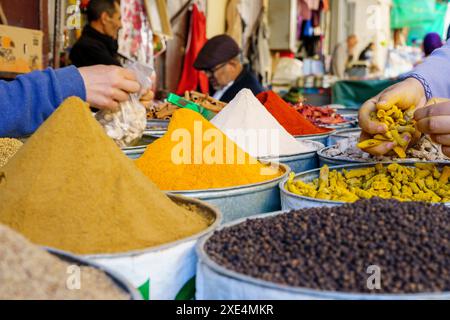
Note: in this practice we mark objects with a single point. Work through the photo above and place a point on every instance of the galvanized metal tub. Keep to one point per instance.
(166, 272)
(155, 134)
(215, 282)
(138, 149)
(336, 161)
(344, 134)
(291, 201)
(157, 125)
(116, 278)
(340, 127)
(242, 201)
(321, 137)
(302, 161)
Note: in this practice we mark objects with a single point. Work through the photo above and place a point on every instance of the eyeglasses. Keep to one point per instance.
(211, 72)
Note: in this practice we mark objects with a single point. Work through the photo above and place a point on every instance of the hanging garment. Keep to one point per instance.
(234, 21)
(259, 51)
(192, 79)
(316, 18)
(249, 12)
(313, 4)
(304, 10)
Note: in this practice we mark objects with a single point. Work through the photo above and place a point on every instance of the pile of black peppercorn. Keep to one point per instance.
(331, 249)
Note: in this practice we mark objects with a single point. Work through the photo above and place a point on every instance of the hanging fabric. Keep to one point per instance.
(304, 10)
(259, 51)
(192, 79)
(234, 21)
(136, 36)
(249, 12)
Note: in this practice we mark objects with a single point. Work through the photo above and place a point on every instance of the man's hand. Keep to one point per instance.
(107, 86)
(435, 121)
(405, 94)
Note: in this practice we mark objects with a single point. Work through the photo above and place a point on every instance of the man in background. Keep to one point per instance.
(220, 60)
(98, 42)
(343, 55)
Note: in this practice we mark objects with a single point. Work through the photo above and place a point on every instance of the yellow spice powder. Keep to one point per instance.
(195, 155)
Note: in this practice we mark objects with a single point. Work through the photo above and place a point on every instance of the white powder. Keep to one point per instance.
(248, 123)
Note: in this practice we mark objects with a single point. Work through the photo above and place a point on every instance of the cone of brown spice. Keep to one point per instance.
(70, 187)
(29, 272)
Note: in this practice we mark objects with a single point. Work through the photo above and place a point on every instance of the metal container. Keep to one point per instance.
(336, 161)
(324, 159)
(138, 149)
(340, 126)
(291, 201)
(215, 282)
(155, 133)
(157, 125)
(321, 137)
(302, 161)
(165, 272)
(156, 128)
(344, 134)
(243, 201)
(118, 280)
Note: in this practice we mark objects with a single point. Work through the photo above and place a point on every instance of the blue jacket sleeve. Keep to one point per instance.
(434, 73)
(25, 103)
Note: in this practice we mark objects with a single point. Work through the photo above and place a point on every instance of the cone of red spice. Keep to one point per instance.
(287, 116)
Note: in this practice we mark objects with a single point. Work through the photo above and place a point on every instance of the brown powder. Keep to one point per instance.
(29, 272)
(70, 187)
(8, 147)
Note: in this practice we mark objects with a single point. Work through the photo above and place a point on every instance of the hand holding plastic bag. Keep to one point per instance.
(127, 125)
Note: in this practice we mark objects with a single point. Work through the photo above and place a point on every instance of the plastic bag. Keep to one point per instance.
(127, 125)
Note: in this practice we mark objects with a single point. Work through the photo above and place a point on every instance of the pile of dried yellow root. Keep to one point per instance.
(399, 122)
(423, 182)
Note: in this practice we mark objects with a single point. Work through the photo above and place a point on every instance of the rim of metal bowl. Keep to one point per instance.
(318, 146)
(115, 277)
(285, 168)
(316, 135)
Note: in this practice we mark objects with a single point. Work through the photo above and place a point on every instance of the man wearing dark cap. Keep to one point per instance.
(220, 59)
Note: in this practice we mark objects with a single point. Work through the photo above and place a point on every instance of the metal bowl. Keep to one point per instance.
(242, 201)
(157, 125)
(118, 280)
(291, 201)
(323, 138)
(324, 159)
(299, 162)
(215, 282)
(344, 134)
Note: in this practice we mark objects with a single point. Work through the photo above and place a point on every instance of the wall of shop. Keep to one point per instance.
(215, 17)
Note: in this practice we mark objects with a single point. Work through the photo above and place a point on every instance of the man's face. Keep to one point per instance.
(112, 24)
(352, 42)
(221, 75)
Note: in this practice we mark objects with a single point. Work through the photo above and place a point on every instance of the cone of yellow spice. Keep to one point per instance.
(70, 187)
(195, 155)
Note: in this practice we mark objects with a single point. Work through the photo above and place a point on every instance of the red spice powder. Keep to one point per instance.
(287, 116)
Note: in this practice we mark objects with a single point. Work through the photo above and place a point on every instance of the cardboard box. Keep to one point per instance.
(20, 49)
